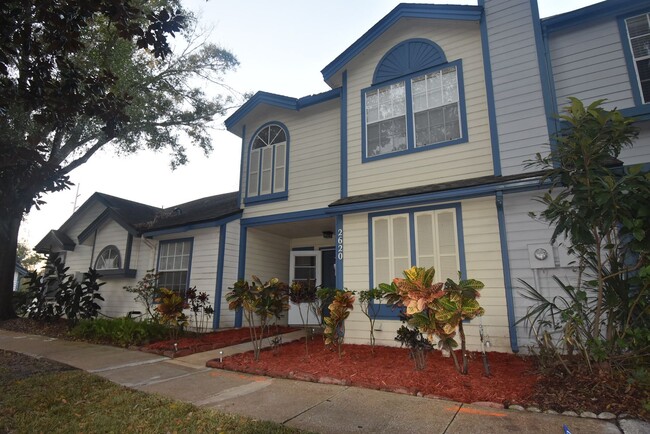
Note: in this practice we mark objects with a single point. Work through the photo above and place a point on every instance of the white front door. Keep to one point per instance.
(305, 268)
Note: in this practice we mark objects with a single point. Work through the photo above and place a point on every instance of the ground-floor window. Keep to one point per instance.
(425, 237)
(174, 260)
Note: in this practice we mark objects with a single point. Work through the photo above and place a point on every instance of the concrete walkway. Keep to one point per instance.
(310, 406)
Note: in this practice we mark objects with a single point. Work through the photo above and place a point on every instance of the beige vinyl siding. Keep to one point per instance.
(230, 270)
(315, 242)
(313, 160)
(267, 255)
(589, 63)
(110, 233)
(483, 262)
(459, 40)
(518, 98)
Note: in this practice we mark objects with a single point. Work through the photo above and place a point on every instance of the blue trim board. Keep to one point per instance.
(507, 278)
(340, 251)
(344, 135)
(286, 217)
(404, 10)
(387, 312)
(266, 198)
(241, 165)
(599, 10)
(241, 269)
(439, 196)
(629, 57)
(543, 61)
(218, 289)
(410, 120)
(127, 253)
(280, 101)
(489, 89)
(193, 226)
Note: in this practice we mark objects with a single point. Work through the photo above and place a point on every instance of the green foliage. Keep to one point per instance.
(603, 213)
(339, 311)
(55, 293)
(27, 258)
(122, 332)
(170, 308)
(202, 311)
(417, 344)
(436, 309)
(146, 292)
(299, 293)
(261, 303)
(370, 303)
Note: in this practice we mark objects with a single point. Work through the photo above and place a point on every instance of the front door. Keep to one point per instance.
(305, 268)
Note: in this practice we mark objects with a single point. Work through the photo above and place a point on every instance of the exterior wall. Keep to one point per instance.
(267, 256)
(111, 233)
(483, 262)
(79, 258)
(517, 83)
(314, 158)
(315, 242)
(230, 269)
(640, 152)
(523, 231)
(589, 63)
(459, 40)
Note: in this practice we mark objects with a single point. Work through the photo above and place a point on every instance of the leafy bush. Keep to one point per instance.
(123, 332)
(201, 309)
(170, 308)
(339, 311)
(417, 344)
(147, 292)
(370, 302)
(55, 293)
(260, 302)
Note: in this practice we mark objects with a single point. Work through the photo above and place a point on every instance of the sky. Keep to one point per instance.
(282, 45)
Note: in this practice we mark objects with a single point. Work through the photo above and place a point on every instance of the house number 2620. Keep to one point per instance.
(339, 244)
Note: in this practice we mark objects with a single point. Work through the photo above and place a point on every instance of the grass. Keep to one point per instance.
(75, 401)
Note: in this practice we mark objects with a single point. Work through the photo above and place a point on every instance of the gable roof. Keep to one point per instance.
(281, 101)
(403, 10)
(138, 218)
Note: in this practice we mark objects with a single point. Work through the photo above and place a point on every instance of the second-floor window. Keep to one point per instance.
(638, 30)
(267, 172)
(108, 259)
(414, 113)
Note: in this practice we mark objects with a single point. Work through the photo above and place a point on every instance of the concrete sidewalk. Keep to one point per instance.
(310, 406)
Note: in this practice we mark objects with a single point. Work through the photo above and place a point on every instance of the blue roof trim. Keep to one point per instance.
(99, 221)
(193, 226)
(404, 10)
(639, 113)
(281, 101)
(527, 184)
(287, 217)
(589, 13)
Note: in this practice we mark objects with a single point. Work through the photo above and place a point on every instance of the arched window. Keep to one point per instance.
(267, 170)
(108, 259)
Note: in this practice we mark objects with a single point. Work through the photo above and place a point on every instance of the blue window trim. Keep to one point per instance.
(271, 197)
(387, 312)
(410, 120)
(241, 165)
(629, 57)
(344, 134)
(189, 263)
(218, 289)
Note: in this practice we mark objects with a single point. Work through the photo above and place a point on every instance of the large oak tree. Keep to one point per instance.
(77, 76)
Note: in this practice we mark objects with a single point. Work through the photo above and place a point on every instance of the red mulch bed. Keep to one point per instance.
(390, 368)
(188, 345)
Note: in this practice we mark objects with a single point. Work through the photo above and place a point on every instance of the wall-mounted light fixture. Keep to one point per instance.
(328, 234)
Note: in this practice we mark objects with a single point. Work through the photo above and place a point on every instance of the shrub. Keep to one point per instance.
(370, 302)
(170, 308)
(339, 311)
(123, 332)
(147, 292)
(201, 309)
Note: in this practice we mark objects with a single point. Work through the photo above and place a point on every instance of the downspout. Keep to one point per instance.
(505, 259)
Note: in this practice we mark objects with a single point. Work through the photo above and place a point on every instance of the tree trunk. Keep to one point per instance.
(9, 225)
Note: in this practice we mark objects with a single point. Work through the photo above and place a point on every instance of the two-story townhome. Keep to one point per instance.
(416, 156)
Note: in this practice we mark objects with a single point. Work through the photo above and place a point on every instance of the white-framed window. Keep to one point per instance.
(174, 265)
(108, 259)
(422, 110)
(386, 119)
(436, 111)
(638, 31)
(436, 244)
(267, 171)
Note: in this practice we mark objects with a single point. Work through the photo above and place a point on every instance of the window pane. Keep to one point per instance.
(280, 172)
(372, 107)
(303, 261)
(381, 238)
(446, 233)
(449, 86)
(641, 46)
(267, 164)
(253, 176)
(382, 272)
(400, 236)
(424, 225)
(448, 269)
(638, 25)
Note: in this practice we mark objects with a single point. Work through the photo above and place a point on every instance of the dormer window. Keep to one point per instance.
(108, 259)
(267, 172)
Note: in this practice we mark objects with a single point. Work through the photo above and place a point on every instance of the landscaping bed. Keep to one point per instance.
(199, 343)
(515, 379)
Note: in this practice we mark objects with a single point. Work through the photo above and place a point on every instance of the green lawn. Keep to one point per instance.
(51, 401)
